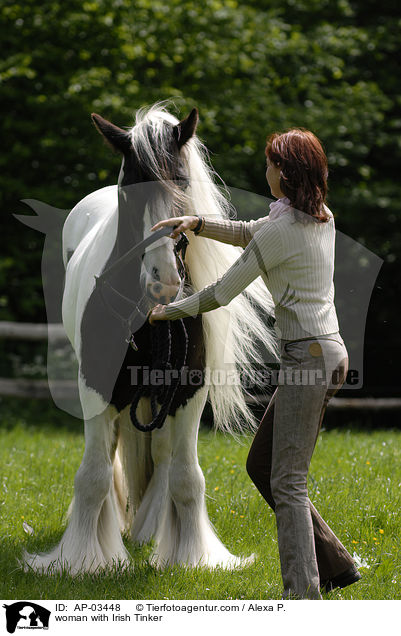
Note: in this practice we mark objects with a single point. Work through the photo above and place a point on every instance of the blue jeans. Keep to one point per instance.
(311, 371)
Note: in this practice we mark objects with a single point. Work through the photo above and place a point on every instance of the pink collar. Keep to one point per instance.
(277, 208)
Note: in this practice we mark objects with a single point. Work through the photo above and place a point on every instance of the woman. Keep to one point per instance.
(293, 250)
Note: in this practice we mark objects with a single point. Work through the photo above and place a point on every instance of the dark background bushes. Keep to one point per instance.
(250, 67)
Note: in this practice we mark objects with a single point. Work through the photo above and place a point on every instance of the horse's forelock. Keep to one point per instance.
(152, 140)
(155, 148)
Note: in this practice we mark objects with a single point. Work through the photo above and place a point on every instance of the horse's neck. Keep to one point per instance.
(127, 234)
(124, 239)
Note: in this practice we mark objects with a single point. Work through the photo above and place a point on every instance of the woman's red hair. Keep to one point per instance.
(303, 165)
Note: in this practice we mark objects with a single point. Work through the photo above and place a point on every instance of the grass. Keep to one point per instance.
(355, 482)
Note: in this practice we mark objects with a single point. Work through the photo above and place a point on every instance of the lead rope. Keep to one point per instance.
(161, 351)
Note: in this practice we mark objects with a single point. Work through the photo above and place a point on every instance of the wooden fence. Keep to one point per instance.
(22, 387)
(25, 387)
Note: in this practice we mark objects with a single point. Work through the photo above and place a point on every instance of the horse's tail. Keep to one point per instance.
(133, 466)
(238, 336)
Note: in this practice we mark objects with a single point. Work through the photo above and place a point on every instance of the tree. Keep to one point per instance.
(250, 67)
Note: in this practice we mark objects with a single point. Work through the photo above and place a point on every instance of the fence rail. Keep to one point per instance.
(39, 389)
(31, 331)
(357, 404)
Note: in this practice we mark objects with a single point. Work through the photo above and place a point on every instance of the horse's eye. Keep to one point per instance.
(155, 273)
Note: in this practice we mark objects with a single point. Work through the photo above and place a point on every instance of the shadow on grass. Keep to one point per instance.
(38, 413)
(46, 415)
(354, 419)
(114, 583)
(141, 581)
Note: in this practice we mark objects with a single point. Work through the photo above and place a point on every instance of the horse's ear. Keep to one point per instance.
(186, 128)
(115, 137)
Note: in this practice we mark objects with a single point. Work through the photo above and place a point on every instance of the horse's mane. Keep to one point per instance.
(231, 332)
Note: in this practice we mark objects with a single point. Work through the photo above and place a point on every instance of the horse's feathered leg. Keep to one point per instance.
(92, 539)
(186, 535)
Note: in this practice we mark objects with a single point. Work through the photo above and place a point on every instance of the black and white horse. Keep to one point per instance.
(149, 483)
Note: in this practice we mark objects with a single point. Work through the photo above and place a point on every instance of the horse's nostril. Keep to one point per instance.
(156, 288)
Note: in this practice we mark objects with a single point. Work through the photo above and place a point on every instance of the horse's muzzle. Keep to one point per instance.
(162, 294)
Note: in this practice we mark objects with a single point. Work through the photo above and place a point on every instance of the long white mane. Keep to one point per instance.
(231, 332)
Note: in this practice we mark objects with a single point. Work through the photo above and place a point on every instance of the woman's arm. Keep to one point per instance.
(232, 232)
(223, 230)
(262, 253)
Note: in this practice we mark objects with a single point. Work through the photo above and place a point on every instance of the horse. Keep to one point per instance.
(148, 483)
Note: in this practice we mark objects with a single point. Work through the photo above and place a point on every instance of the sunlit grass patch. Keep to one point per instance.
(355, 482)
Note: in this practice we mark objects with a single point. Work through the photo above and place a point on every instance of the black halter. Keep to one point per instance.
(137, 316)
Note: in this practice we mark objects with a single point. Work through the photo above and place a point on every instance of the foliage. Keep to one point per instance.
(250, 67)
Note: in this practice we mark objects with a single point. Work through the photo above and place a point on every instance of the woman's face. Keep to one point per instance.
(273, 178)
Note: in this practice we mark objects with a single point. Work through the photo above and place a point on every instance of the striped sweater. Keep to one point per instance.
(295, 260)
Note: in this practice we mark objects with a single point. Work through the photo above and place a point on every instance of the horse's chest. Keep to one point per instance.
(139, 370)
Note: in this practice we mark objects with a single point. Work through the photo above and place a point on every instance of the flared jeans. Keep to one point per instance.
(311, 371)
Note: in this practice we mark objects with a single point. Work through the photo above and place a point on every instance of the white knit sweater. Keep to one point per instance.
(295, 260)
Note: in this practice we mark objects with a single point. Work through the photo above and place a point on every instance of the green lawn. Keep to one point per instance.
(355, 481)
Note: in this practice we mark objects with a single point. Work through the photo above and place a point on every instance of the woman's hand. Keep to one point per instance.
(157, 313)
(183, 223)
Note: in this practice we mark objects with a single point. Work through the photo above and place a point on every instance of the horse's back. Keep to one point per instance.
(89, 235)
(96, 206)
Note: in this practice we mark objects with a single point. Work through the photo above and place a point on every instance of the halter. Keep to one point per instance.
(137, 317)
